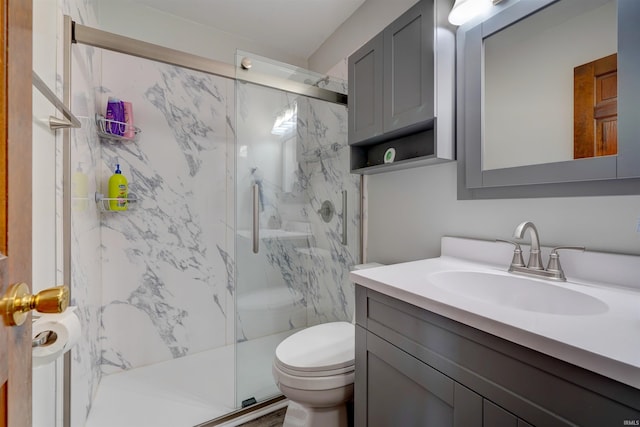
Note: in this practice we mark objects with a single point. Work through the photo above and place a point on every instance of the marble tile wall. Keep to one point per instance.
(166, 261)
(324, 133)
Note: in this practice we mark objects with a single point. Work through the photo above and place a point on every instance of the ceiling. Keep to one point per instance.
(298, 27)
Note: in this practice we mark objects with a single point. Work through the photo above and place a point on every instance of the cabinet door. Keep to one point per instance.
(365, 91)
(409, 68)
(403, 391)
(495, 416)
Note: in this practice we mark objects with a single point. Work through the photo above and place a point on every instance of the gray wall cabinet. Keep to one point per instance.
(416, 368)
(365, 91)
(392, 98)
(408, 70)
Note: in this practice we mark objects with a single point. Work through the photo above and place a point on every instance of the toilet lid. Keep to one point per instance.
(319, 348)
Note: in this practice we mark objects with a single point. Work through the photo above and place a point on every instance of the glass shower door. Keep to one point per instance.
(272, 229)
(294, 243)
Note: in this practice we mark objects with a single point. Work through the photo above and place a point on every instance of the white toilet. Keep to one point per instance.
(315, 369)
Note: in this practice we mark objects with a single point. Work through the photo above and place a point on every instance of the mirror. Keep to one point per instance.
(524, 118)
(529, 80)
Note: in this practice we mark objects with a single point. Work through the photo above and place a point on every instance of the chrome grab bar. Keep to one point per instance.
(344, 217)
(256, 219)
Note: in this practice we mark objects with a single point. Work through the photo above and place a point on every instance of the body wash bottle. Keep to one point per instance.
(118, 189)
(129, 130)
(79, 185)
(115, 116)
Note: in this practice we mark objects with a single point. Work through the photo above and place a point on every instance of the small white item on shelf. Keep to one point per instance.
(390, 155)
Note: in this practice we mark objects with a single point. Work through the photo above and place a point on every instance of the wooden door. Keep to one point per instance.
(15, 204)
(596, 108)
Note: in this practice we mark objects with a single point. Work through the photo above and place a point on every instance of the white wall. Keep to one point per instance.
(360, 27)
(430, 210)
(44, 148)
(46, 408)
(151, 25)
(409, 211)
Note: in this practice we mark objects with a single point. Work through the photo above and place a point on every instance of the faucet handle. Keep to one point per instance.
(517, 260)
(554, 258)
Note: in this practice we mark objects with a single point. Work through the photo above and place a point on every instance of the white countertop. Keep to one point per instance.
(607, 343)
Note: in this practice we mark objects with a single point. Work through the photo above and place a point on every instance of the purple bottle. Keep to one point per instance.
(115, 112)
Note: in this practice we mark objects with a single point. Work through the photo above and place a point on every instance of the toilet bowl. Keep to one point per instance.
(314, 368)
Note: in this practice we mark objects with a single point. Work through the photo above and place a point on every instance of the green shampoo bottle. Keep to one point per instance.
(118, 190)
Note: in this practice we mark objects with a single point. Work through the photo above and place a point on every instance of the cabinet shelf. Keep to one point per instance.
(103, 202)
(418, 149)
(103, 124)
(402, 164)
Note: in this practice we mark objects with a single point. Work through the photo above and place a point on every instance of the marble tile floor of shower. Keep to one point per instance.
(186, 391)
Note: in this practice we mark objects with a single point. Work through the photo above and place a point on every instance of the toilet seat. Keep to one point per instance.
(321, 350)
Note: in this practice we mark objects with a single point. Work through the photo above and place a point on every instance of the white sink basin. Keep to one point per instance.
(518, 292)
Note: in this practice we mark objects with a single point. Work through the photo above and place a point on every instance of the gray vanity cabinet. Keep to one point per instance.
(392, 91)
(495, 416)
(416, 368)
(403, 391)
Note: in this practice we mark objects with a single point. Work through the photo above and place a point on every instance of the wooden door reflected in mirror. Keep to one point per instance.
(595, 124)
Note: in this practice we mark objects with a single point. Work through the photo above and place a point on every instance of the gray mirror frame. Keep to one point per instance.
(614, 175)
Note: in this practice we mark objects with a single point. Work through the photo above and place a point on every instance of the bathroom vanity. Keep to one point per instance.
(429, 354)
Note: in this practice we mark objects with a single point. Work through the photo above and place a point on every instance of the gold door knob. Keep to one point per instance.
(17, 302)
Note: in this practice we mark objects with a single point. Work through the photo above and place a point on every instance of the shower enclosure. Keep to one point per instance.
(297, 217)
(243, 230)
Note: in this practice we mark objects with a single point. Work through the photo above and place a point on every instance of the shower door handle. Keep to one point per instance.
(256, 219)
(344, 217)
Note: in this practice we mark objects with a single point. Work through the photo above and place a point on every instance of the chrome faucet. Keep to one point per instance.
(535, 258)
(534, 266)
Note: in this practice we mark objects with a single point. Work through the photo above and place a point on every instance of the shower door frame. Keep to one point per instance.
(114, 42)
(74, 33)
